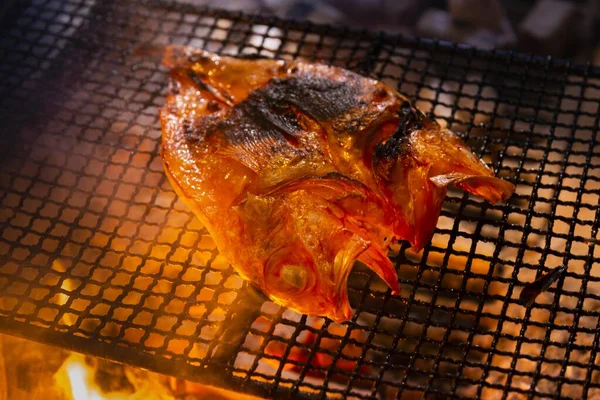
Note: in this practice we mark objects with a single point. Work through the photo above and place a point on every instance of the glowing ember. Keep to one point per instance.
(322, 360)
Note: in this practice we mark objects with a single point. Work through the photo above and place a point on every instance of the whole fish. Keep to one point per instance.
(299, 169)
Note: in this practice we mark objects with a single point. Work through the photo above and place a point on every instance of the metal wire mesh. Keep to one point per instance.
(98, 255)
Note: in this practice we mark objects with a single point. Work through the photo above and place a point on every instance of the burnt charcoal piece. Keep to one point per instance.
(548, 27)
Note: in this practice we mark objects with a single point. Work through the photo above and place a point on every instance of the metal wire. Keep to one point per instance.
(98, 255)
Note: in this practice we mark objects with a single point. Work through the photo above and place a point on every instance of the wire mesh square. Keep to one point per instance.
(97, 253)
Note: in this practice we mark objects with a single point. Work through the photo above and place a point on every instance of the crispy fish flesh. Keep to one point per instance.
(299, 169)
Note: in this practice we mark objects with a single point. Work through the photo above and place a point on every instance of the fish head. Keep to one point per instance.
(310, 274)
(305, 246)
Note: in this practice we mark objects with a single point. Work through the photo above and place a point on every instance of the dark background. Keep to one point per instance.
(569, 29)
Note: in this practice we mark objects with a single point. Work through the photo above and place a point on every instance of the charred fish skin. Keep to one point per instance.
(299, 169)
(388, 151)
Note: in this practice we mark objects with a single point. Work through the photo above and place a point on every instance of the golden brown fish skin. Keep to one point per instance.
(415, 165)
(298, 169)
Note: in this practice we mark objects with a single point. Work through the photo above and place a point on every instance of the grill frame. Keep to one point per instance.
(370, 51)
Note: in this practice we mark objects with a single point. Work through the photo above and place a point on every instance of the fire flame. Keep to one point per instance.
(79, 377)
(75, 378)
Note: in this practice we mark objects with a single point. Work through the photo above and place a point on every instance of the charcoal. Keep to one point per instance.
(486, 39)
(440, 24)
(436, 23)
(361, 12)
(236, 5)
(485, 22)
(548, 27)
(403, 12)
(481, 38)
(322, 13)
(195, 2)
(507, 36)
(278, 5)
(588, 19)
(479, 13)
(109, 376)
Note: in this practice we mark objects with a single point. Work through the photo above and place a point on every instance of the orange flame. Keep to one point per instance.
(75, 378)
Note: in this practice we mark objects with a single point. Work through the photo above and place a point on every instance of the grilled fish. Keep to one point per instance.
(299, 169)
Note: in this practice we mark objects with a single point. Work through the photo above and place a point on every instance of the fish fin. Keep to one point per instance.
(453, 163)
(230, 79)
(415, 199)
(414, 169)
(343, 262)
(489, 188)
(382, 266)
(177, 56)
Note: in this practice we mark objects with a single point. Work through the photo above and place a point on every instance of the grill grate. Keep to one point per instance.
(98, 255)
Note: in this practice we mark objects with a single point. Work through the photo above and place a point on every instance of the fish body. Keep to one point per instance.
(300, 169)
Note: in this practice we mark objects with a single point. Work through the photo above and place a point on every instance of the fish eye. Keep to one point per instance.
(294, 275)
(291, 278)
(290, 272)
